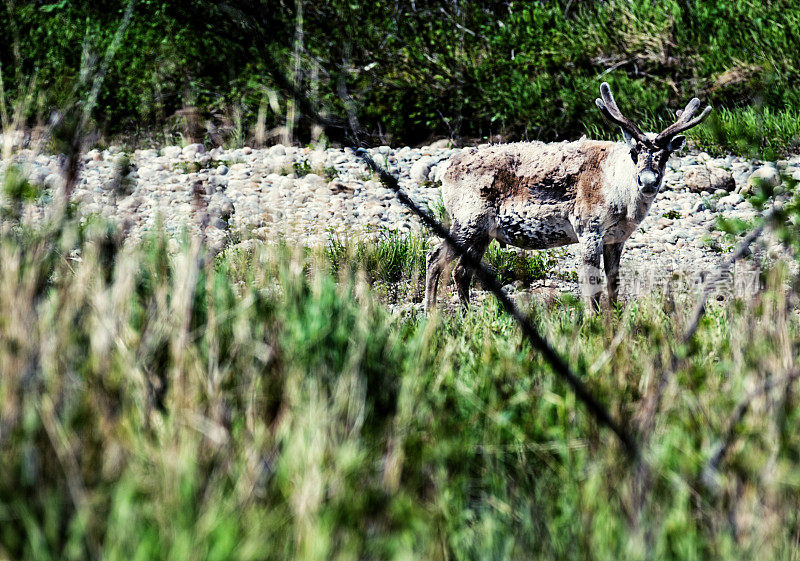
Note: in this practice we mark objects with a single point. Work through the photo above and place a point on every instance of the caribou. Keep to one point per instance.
(536, 195)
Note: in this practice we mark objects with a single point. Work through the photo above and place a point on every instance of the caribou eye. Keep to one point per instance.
(635, 153)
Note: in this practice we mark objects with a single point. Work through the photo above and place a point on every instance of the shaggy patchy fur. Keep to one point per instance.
(536, 196)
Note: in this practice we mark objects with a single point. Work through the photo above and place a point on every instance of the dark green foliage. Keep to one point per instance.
(514, 265)
(416, 70)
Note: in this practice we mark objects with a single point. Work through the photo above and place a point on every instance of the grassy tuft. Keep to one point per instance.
(388, 257)
(152, 405)
(304, 168)
(514, 265)
(198, 165)
(752, 131)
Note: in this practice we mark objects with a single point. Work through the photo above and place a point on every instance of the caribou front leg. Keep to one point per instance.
(611, 256)
(591, 243)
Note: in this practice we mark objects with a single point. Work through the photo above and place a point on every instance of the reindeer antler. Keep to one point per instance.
(684, 121)
(608, 107)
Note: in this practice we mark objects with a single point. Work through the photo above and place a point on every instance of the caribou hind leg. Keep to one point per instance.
(611, 256)
(473, 240)
(476, 246)
(435, 262)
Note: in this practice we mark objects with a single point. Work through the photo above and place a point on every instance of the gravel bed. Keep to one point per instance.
(306, 195)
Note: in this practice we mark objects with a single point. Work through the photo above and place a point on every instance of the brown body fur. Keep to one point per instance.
(553, 173)
(531, 195)
(536, 196)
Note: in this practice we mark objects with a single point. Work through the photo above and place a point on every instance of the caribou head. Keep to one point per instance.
(650, 152)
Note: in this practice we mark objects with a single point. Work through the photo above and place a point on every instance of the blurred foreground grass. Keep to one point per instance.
(158, 406)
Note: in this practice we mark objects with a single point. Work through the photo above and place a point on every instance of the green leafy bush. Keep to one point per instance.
(526, 266)
(475, 70)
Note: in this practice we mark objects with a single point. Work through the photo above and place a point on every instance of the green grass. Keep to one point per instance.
(481, 71)
(437, 210)
(526, 266)
(259, 406)
(392, 257)
(752, 131)
(389, 257)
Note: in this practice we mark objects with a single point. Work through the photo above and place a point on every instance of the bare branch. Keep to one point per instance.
(720, 272)
(738, 415)
(653, 403)
(490, 282)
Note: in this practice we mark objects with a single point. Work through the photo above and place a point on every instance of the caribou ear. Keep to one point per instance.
(676, 143)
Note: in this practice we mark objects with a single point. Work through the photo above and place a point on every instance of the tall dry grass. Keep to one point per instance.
(153, 405)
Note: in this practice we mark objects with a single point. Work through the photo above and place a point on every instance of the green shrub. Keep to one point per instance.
(481, 71)
(389, 257)
(515, 265)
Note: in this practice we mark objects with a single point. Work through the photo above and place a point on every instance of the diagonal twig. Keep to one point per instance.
(724, 267)
(490, 282)
(738, 415)
(653, 403)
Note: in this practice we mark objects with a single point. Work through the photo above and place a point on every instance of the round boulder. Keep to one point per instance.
(171, 152)
(192, 150)
(729, 202)
(701, 178)
(441, 144)
(765, 175)
(421, 169)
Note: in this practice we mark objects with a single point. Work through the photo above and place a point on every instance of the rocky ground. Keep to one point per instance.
(306, 194)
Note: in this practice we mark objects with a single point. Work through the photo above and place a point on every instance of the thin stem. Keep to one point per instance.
(492, 284)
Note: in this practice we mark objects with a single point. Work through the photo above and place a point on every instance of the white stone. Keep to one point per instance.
(54, 181)
(420, 170)
(145, 172)
(171, 152)
(732, 199)
(312, 181)
(145, 154)
(441, 144)
(767, 175)
(191, 150)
